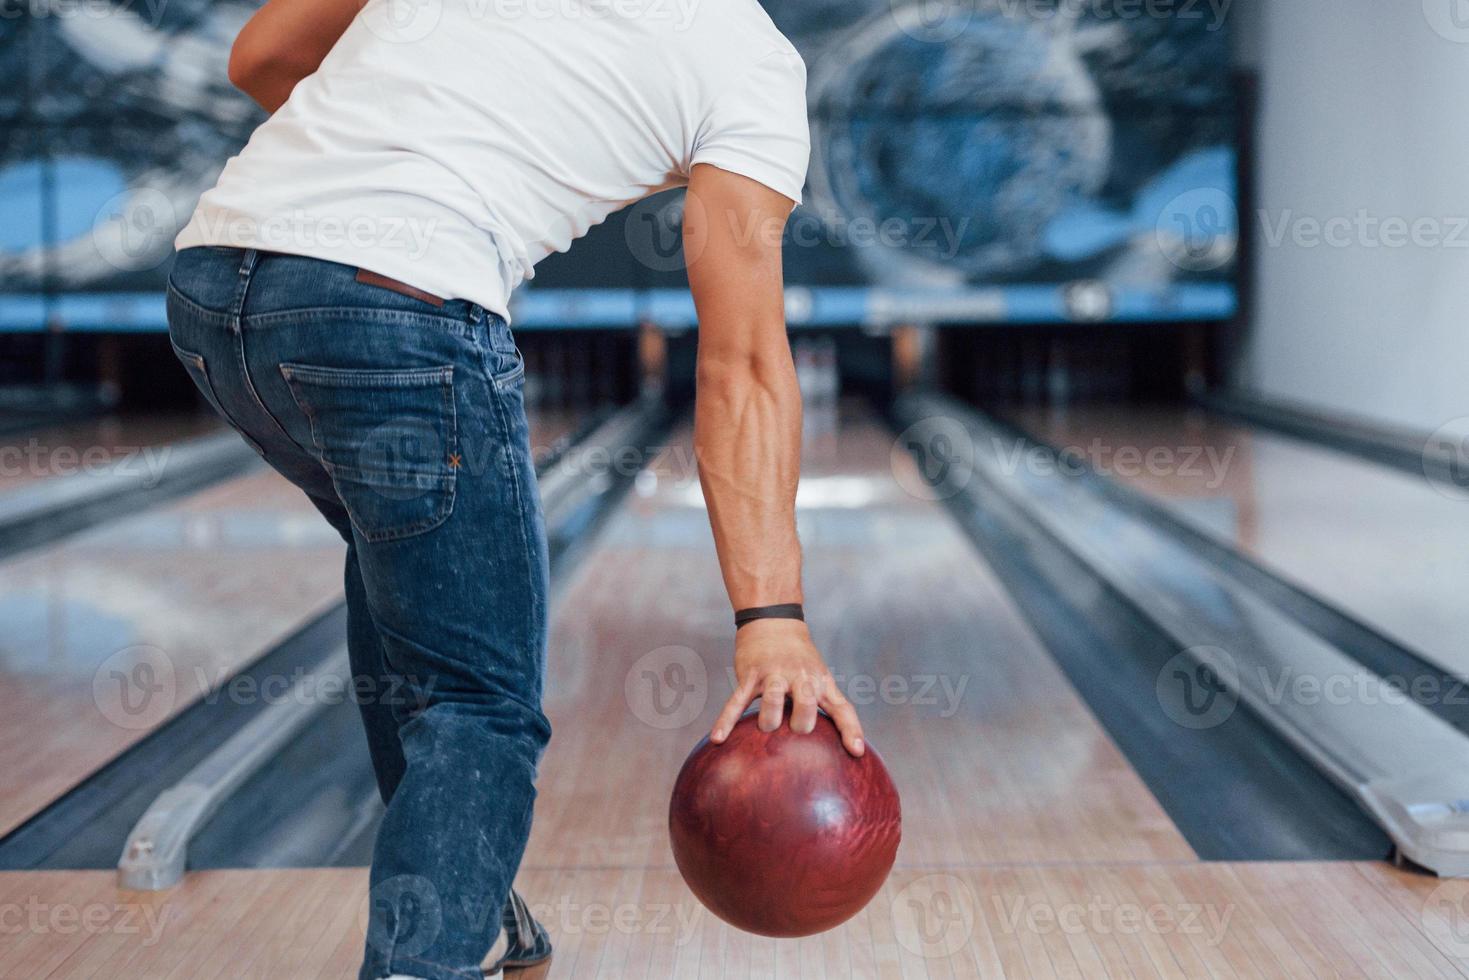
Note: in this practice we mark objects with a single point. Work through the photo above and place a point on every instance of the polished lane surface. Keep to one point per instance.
(1385, 546)
(1087, 922)
(996, 757)
(91, 445)
(113, 631)
(1030, 849)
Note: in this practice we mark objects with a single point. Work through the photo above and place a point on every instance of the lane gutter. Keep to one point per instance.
(94, 817)
(1404, 765)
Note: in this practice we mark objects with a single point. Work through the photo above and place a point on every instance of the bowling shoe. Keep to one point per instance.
(523, 941)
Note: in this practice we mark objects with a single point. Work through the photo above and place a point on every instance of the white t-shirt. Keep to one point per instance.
(453, 144)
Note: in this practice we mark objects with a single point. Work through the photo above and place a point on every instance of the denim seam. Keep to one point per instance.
(248, 263)
(513, 375)
(536, 611)
(436, 481)
(351, 378)
(250, 387)
(504, 379)
(199, 365)
(312, 314)
(221, 317)
(318, 313)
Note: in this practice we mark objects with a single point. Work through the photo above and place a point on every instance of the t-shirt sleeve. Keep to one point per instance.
(758, 127)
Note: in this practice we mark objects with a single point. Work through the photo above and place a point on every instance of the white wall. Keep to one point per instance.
(1364, 108)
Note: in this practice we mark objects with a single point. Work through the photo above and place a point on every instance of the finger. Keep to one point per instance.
(805, 695)
(773, 703)
(845, 716)
(730, 713)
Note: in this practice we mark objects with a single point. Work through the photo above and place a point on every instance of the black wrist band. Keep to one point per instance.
(789, 610)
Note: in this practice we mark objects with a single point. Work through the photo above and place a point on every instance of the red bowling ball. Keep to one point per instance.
(782, 834)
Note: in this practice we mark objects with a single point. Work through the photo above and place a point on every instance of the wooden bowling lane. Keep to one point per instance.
(89, 444)
(84, 444)
(112, 632)
(1031, 849)
(1133, 921)
(1379, 543)
(995, 756)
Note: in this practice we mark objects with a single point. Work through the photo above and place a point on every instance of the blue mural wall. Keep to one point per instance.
(1008, 160)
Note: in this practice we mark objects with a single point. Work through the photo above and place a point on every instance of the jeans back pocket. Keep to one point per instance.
(388, 440)
(199, 373)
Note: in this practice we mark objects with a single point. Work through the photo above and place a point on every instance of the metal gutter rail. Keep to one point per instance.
(156, 854)
(45, 510)
(1405, 766)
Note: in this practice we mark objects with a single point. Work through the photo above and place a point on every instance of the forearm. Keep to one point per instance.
(747, 440)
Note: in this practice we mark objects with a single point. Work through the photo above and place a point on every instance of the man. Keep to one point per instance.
(341, 298)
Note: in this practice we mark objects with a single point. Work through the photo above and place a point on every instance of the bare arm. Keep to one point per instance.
(283, 43)
(747, 440)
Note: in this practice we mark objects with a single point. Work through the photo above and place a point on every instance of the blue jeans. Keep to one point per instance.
(404, 424)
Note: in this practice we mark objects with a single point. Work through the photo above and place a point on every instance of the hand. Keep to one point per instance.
(775, 658)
